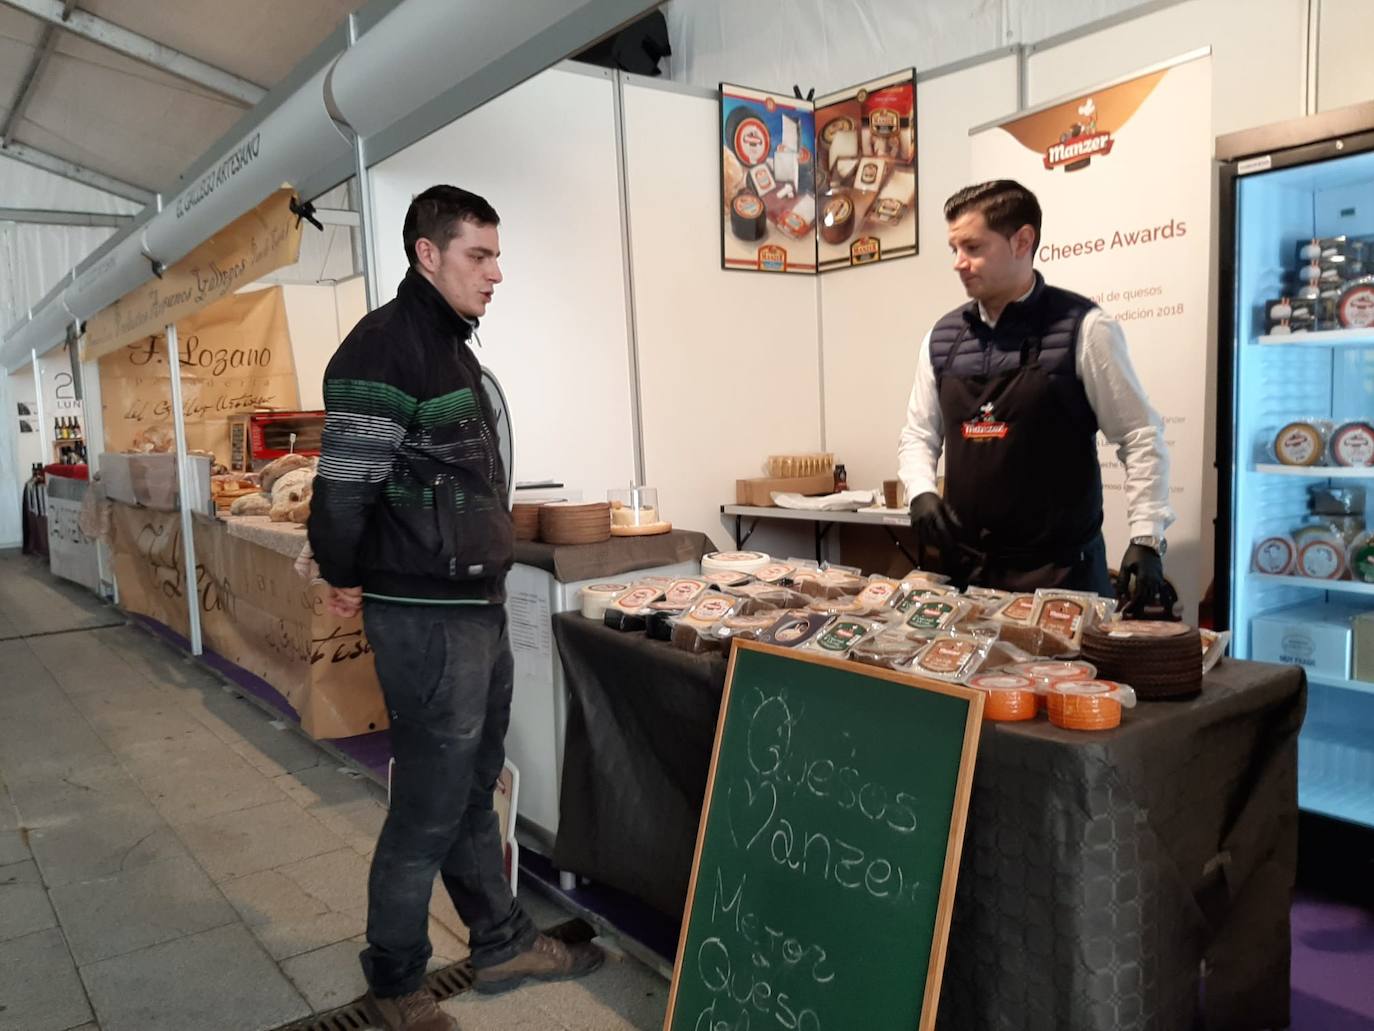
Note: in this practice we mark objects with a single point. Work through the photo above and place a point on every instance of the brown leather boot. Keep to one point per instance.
(414, 1012)
(545, 960)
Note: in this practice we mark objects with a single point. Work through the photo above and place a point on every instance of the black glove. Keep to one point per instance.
(1141, 580)
(936, 524)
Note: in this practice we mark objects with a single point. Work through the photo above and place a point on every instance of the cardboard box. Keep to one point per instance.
(760, 491)
(1318, 637)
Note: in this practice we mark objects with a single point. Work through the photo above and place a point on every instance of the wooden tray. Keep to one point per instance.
(646, 530)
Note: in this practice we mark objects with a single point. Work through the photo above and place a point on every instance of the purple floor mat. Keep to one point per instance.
(1333, 965)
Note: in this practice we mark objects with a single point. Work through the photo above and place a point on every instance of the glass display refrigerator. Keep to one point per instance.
(1295, 434)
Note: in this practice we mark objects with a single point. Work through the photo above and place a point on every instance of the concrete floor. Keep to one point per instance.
(171, 859)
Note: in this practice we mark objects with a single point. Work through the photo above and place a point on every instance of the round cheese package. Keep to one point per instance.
(1322, 559)
(1352, 444)
(1301, 443)
(1275, 555)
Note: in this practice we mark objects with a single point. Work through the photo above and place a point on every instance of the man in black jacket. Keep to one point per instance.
(410, 523)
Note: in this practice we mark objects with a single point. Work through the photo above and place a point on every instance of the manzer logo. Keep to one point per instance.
(1077, 147)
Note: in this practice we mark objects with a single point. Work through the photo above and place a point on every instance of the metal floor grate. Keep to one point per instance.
(444, 983)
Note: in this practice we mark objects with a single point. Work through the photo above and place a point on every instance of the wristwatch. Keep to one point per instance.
(1156, 544)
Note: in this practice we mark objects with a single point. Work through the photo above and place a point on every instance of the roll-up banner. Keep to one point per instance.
(1123, 175)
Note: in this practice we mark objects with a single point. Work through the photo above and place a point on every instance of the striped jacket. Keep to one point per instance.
(410, 498)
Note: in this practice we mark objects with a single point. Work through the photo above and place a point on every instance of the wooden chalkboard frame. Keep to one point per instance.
(953, 846)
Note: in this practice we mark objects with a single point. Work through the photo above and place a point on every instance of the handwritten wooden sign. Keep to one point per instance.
(235, 357)
(825, 866)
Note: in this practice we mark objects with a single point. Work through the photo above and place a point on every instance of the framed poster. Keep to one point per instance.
(866, 172)
(768, 189)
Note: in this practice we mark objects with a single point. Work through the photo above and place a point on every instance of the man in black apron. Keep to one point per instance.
(1014, 386)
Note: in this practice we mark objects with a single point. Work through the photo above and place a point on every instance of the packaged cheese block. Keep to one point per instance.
(1300, 443)
(661, 582)
(840, 637)
(936, 613)
(774, 572)
(827, 583)
(1088, 704)
(733, 561)
(745, 627)
(871, 173)
(638, 599)
(596, 598)
(894, 201)
(843, 144)
(1321, 559)
(889, 649)
(691, 638)
(1352, 444)
(658, 626)
(798, 221)
(768, 598)
(1066, 614)
(710, 610)
(1017, 608)
(1275, 555)
(835, 606)
(1034, 641)
(952, 657)
(925, 577)
(1011, 697)
(794, 629)
(1214, 646)
(680, 595)
(726, 579)
(878, 594)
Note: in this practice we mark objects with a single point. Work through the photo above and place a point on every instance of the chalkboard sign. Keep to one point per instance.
(829, 844)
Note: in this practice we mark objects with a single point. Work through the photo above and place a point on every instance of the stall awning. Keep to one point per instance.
(265, 239)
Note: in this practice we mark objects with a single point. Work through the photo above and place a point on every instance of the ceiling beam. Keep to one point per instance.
(71, 170)
(50, 217)
(47, 43)
(142, 49)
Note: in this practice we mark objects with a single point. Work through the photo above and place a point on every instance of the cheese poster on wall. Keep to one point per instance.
(768, 187)
(866, 172)
(1123, 175)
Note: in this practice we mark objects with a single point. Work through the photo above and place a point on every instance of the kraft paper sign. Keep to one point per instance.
(235, 358)
(262, 241)
(256, 612)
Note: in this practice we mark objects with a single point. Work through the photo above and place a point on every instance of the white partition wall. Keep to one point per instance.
(544, 155)
(874, 318)
(729, 362)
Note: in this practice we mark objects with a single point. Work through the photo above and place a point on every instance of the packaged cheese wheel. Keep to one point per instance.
(1052, 672)
(774, 572)
(1088, 704)
(680, 595)
(1361, 558)
(877, 594)
(1300, 443)
(1010, 697)
(837, 219)
(1355, 309)
(597, 597)
(711, 609)
(1018, 608)
(733, 561)
(747, 217)
(889, 649)
(1321, 559)
(1352, 444)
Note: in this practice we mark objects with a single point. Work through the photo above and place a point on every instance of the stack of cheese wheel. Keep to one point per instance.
(734, 562)
(575, 522)
(1046, 672)
(1010, 696)
(525, 514)
(1088, 704)
(1159, 660)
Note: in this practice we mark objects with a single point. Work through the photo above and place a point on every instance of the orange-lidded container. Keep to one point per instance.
(1010, 696)
(1088, 704)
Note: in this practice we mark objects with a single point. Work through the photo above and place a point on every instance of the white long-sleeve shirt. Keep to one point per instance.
(1123, 412)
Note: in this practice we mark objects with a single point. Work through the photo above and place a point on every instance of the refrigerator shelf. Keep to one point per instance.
(1335, 586)
(1337, 682)
(1320, 338)
(1337, 796)
(1317, 472)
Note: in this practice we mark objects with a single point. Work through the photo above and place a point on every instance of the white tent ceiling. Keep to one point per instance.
(129, 117)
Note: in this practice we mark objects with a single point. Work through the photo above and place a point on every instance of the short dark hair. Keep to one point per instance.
(1005, 203)
(439, 213)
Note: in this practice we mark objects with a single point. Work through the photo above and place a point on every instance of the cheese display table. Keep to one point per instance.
(1098, 870)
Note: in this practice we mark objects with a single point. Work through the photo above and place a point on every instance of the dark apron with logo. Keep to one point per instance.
(1022, 475)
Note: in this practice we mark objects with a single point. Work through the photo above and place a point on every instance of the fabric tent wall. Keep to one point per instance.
(11, 529)
(545, 155)
(34, 257)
